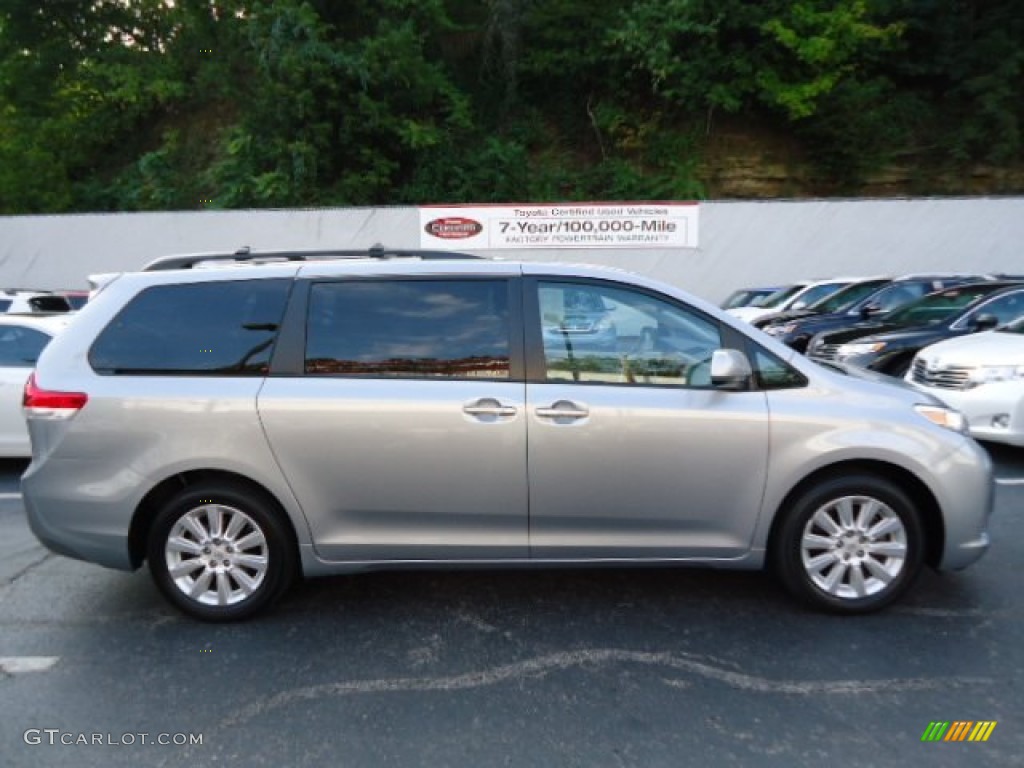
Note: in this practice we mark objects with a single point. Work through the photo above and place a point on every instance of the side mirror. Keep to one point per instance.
(799, 305)
(984, 322)
(870, 310)
(730, 369)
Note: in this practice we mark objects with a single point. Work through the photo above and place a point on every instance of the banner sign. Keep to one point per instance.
(564, 225)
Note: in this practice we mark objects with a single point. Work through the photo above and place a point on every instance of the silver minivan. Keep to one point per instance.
(276, 415)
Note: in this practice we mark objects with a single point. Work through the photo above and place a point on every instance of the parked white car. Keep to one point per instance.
(13, 301)
(797, 296)
(980, 375)
(22, 340)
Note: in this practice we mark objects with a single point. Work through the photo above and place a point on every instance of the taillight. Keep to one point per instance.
(47, 404)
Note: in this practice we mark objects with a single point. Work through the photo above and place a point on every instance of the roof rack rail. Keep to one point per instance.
(246, 255)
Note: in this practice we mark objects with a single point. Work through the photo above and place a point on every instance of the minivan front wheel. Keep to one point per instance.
(850, 545)
(219, 553)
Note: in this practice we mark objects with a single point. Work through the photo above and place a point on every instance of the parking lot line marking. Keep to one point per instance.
(19, 665)
(9, 496)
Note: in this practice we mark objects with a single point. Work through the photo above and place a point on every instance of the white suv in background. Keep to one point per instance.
(22, 340)
(982, 376)
(20, 301)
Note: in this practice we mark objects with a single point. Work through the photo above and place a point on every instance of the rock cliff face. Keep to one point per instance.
(754, 164)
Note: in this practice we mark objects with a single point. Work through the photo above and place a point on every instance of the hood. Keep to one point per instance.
(988, 348)
(915, 336)
(750, 314)
(875, 388)
(866, 374)
(820, 323)
(784, 317)
(858, 331)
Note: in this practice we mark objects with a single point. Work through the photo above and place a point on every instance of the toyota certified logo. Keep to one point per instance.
(453, 228)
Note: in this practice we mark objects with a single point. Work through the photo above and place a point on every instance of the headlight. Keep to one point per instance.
(986, 374)
(780, 330)
(944, 417)
(603, 325)
(864, 348)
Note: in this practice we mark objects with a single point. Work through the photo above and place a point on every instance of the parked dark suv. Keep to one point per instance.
(855, 304)
(242, 424)
(888, 343)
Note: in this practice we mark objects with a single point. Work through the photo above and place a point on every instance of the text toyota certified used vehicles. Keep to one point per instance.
(982, 376)
(888, 343)
(236, 426)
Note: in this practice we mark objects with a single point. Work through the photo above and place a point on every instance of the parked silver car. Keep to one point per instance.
(241, 424)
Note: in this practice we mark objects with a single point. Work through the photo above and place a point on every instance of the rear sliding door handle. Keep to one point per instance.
(563, 409)
(488, 406)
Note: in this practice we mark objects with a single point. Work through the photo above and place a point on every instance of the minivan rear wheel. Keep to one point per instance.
(850, 545)
(219, 552)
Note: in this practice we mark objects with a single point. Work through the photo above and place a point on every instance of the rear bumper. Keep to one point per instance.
(67, 523)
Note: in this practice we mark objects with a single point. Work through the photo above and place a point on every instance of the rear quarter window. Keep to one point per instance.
(224, 328)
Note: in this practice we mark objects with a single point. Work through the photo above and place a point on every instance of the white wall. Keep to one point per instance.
(742, 243)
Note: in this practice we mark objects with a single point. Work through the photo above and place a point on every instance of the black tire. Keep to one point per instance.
(824, 572)
(240, 581)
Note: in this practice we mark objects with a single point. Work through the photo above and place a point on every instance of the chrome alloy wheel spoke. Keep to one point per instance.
(217, 555)
(853, 547)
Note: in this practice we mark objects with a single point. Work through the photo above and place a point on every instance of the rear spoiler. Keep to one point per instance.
(100, 281)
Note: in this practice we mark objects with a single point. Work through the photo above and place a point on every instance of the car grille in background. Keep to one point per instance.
(825, 351)
(953, 377)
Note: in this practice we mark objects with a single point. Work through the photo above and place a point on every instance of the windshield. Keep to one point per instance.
(747, 297)
(846, 297)
(781, 295)
(817, 293)
(936, 307)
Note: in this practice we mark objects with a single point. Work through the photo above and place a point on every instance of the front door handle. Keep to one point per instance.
(563, 409)
(488, 406)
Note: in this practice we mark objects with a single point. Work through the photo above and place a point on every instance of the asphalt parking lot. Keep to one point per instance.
(554, 668)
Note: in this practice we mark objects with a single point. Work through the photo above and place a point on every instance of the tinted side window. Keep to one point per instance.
(49, 304)
(1005, 308)
(599, 334)
(21, 347)
(219, 328)
(409, 328)
(899, 294)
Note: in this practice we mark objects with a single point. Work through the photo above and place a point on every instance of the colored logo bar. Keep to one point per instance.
(958, 730)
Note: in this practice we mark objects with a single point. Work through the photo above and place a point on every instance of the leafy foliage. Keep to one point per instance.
(149, 104)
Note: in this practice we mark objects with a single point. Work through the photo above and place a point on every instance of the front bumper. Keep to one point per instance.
(966, 497)
(994, 411)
